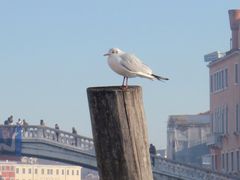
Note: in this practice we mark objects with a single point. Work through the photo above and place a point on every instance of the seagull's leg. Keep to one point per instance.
(126, 82)
(124, 87)
(123, 81)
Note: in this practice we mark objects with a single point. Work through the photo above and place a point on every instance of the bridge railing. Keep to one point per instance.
(184, 171)
(57, 136)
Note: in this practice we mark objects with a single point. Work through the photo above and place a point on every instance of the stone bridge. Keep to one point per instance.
(48, 143)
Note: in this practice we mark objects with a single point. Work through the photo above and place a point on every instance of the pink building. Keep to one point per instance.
(224, 70)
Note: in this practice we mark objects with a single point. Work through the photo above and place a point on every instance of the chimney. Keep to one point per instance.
(234, 17)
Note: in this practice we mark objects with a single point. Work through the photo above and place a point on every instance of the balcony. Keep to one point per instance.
(215, 140)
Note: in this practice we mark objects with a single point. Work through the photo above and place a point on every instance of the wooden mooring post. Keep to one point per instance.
(120, 133)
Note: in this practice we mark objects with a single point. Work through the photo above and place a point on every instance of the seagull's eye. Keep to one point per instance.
(113, 51)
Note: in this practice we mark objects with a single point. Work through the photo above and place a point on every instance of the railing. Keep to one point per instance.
(183, 171)
(57, 136)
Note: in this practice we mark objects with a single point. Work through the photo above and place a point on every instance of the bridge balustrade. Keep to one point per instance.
(185, 171)
(57, 136)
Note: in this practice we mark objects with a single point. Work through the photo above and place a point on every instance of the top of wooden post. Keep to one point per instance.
(114, 88)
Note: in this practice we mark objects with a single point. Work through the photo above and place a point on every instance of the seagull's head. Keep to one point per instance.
(114, 51)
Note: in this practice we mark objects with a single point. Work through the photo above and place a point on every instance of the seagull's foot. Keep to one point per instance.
(124, 88)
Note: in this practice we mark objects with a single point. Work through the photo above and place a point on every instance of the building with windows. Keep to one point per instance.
(21, 171)
(187, 137)
(224, 75)
(7, 171)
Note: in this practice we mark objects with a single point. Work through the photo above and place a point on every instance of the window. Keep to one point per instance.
(29, 171)
(227, 167)
(227, 119)
(222, 119)
(211, 83)
(216, 162)
(42, 171)
(77, 172)
(23, 170)
(215, 82)
(215, 122)
(62, 171)
(17, 170)
(222, 80)
(73, 172)
(213, 167)
(236, 73)
(212, 122)
(237, 117)
(218, 120)
(67, 172)
(232, 161)
(219, 80)
(238, 161)
(226, 77)
(57, 171)
(36, 171)
(49, 171)
(223, 162)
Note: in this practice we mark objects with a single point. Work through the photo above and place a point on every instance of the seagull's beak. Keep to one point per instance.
(107, 54)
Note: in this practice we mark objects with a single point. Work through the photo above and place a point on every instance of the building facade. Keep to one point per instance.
(224, 75)
(7, 171)
(21, 171)
(187, 136)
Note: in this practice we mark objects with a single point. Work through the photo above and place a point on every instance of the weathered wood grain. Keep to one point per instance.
(120, 133)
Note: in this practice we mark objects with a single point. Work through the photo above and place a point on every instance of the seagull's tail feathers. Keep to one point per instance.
(160, 77)
(144, 75)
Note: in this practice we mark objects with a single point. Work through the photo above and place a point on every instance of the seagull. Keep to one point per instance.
(129, 66)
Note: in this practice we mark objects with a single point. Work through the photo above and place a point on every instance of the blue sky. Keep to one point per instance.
(51, 51)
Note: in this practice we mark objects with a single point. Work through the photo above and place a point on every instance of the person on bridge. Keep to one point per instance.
(6, 122)
(43, 125)
(25, 124)
(19, 122)
(9, 121)
(153, 152)
(74, 132)
(57, 131)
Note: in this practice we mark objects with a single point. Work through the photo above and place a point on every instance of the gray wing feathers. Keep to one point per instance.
(132, 63)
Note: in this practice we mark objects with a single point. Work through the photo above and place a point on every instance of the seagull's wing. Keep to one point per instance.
(134, 64)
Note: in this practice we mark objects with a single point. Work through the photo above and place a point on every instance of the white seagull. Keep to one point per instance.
(128, 65)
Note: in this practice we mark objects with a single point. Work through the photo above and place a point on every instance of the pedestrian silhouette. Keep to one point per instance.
(153, 152)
